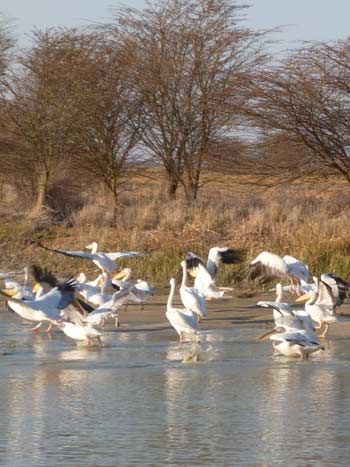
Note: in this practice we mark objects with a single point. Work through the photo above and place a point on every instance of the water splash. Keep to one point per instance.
(197, 354)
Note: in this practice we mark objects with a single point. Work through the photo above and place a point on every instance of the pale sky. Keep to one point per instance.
(306, 19)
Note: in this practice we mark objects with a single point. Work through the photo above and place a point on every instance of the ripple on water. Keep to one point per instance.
(134, 403)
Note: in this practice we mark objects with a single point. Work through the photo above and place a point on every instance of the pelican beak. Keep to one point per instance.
(101, 281)
(9, 292)
(193, 273)
(303, 298)
(267, 334)
(36, 288)
(89, 247)
(119, 276)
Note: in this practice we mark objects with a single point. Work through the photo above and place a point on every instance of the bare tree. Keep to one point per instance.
(41, 115)
(6, 45)
(190, 63)
(108, 138)
(308, 98)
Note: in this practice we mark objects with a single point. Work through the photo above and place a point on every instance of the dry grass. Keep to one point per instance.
(298, 220)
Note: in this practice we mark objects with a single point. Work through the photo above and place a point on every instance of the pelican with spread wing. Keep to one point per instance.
(104, 261)
(46, 306)
(321, 305)
(270, 265)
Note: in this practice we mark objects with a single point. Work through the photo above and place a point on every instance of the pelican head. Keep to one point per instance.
(37, 287)
(9, 292)
(172, 282)
(102, 280)
(123, 274)
(305, 297)
(81, 278)
(92, 246)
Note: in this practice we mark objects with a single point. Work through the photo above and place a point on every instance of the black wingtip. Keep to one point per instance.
(232, 256)
(193, 261)
(43, 275)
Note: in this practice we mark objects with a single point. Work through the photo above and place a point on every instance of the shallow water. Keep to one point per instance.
(133, 403)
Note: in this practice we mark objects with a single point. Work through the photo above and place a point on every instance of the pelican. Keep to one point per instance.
(15, 286)
(320, 306)
(47, 307)
(191, 298)
(203, 282)
(78, 328)
(182, 320)
(95, 294)
(295, 344)
(277, 305)
(138, 293)
(109, 309)
(293, 335)
(270, 264)
(216, 256)
(338, 285)
(104, 261)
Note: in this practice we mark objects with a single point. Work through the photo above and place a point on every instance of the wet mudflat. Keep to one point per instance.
(134, 403)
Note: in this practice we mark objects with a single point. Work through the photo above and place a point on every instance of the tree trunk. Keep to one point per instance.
(115, 212)
(172, 188)
(191, 193)
(41, 192)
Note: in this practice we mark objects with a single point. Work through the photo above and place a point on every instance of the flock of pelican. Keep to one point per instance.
(80, 307)
(294, 334)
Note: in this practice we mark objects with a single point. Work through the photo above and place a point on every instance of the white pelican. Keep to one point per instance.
(138, 293)
(269, 264)
(297, 344)
(95, 294)
(216, 256)
(47, 307)
(109, 309)
(104, 261)
(321, 306)
(278, 306)
(78, 328)
(182, 320)
(191, 298)
(203, 282)
(293, 335)
(338, 285)
(12, 284)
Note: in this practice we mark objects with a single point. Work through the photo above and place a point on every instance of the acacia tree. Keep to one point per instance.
(307, 97)
(190, 63)
(6, 44)
(108, 138)
(41, 114)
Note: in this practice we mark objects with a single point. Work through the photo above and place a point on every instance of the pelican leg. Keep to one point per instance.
(181, 338)
(117, 323)
(36, 328)
(323, 335)
(99, 341)
(49, 329)
(89, 342)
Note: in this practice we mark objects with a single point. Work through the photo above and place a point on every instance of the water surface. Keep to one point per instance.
(133, 403)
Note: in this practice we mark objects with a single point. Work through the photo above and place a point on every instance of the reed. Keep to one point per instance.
(313, 226)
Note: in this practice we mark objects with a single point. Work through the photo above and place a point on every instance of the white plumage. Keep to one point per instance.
(191, 297)
(104, 261)
(267, 263)
(182, 320)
